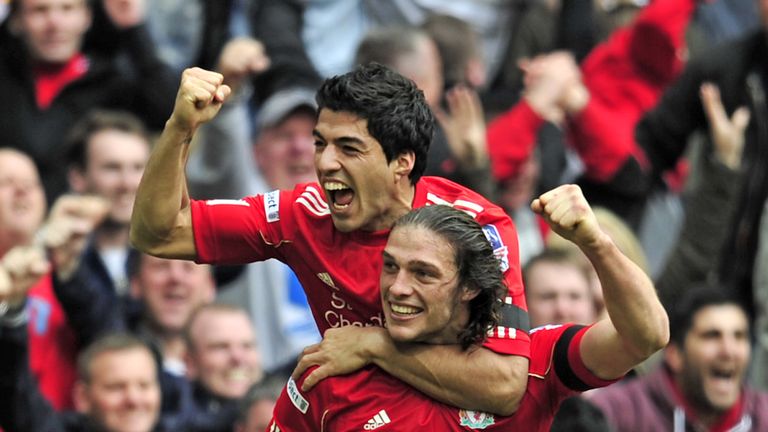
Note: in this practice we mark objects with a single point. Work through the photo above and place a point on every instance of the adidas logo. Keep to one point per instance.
(379, 420)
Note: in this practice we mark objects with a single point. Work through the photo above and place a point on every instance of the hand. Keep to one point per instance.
(199, 99)
(343, 350)
(72, 219)
(568, 214)
(240, 58)
(550, 81)
(125, 14)
(727, 134)
(20, 268)
(464, 126)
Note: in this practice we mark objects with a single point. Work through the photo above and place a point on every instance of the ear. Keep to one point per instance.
(135, 289)
(403, 164)
(673, 356)
(76, 180)
(469, 293)
(192, 372)
(80, 398)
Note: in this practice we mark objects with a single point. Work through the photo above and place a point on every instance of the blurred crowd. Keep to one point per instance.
(656, 109)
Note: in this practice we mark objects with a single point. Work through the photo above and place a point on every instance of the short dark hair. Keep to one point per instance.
(682, 313)
(478, 268)
(397, 114)
(555, 256)
(110, 342)
(96, 121)
(210, 307)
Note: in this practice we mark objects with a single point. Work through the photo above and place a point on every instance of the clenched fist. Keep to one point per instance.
(200, 96)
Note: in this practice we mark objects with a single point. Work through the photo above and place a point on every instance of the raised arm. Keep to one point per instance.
(161, 224)
(637, 325)
(476, 379)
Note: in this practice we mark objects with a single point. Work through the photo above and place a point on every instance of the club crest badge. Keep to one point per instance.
(475, 419)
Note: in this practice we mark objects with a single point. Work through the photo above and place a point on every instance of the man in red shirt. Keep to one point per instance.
(438, 285)
(371, 139)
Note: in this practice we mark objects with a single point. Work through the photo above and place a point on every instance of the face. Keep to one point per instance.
(711, 366)
(259, 416)
(224, 356)
(363, 190)
(172, 290)
(22, 200)
(123, 394)
(420, 290)
(53, 29)
(763, 7)
(425, 68)
(285, 153)
(557, 293)
(115, 164)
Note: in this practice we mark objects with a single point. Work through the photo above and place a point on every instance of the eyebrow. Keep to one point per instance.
(340, 140)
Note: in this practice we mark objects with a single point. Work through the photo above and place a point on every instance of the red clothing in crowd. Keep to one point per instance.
(340, 271)
(52, 345)
(387, 404)
(625, 75)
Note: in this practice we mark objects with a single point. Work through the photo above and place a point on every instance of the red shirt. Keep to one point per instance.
(52, 345)
(340, 271)
(556, 372)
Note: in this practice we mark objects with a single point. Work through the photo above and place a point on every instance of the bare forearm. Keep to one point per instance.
(162, 194)
(630, 298)
(476, 379)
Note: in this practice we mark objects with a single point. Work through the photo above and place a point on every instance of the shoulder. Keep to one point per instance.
(437, 190)
(308, 199)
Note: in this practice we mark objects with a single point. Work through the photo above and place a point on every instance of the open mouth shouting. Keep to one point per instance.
(339, 194)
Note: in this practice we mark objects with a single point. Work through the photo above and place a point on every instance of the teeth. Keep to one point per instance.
(404, 309)
(238, 375)
(334, 186)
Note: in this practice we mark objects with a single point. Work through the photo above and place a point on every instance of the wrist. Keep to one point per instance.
(378, 345)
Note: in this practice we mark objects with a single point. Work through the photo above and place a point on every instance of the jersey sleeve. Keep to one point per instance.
(511, 336)
(242, 231)
(297, 411)
(569, 365)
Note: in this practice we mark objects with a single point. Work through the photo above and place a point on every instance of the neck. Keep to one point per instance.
(111, 235)
(400, 203)
(173, 346)
(9, 240)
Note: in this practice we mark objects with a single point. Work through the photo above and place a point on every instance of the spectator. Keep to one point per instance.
(222, 362)
(52, 343)
(737, 70)
(459, 149)
(701, 384)
(257, 406)
(558, 290)
(169, 291)
(54, 83)
(117, 388)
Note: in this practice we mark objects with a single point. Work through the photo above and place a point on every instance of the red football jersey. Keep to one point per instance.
(340, 271)
(386, 404)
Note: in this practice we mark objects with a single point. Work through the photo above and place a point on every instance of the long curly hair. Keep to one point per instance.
(478, 268)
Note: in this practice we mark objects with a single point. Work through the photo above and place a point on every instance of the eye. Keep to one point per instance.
(319, 144)
(389, 267)
(350, 150)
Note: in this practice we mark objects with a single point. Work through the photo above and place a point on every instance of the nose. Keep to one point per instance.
(327, 159)
(301, 144)
(401, 285)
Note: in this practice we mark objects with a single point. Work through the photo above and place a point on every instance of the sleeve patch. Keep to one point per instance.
(499, 248)
(296, 398)
(272, 206)
(215, 202)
